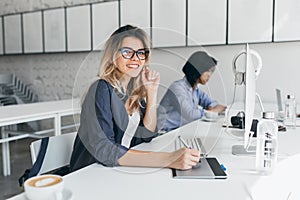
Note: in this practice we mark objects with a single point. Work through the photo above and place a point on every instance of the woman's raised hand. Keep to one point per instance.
(150, 79)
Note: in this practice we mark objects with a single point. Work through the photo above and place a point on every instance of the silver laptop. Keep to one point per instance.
(280, 116)
(279, 100)
(207, 168)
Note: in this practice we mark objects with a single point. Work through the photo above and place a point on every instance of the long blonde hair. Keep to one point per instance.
(109, 71)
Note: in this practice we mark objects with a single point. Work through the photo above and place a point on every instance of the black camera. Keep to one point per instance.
(238, 121)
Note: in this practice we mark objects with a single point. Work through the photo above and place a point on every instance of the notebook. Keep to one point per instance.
(208, 168)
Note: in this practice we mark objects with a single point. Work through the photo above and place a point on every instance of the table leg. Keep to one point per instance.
(57, 125)
(5, 153)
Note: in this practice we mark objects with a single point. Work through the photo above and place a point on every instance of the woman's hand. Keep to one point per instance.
(184, 158)
(218, 108)
(150, 79)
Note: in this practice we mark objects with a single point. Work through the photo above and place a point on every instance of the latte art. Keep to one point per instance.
(44, 187)
(44, 181)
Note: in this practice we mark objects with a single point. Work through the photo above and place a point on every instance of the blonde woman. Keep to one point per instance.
(119, 110)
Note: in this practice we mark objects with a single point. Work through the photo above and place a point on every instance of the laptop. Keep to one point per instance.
(207, 168)
(280, 114)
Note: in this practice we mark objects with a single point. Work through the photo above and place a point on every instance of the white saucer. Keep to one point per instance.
(67, 195)
(209, 119)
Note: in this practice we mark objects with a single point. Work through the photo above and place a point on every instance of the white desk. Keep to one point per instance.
(98, 182)
(15, 114)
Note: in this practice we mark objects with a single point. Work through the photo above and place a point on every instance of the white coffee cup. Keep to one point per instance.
(44, 187)
(210, 114)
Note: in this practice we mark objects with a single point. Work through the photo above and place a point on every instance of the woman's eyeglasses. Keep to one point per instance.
(128, 53)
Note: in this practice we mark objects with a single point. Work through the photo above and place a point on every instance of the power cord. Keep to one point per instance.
(249, 142)
(228, 110)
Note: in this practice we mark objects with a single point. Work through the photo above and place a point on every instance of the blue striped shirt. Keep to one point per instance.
(181, 105)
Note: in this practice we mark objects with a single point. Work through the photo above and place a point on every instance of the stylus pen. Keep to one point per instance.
(183, 142)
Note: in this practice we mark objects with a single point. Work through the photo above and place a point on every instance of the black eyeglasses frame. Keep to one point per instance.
(135, 52)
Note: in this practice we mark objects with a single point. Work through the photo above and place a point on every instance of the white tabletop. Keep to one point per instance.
(23, 112)
(15, 114)
(243, 183)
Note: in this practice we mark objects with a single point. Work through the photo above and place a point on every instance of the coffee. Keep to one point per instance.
(44, 181)
(44, 187)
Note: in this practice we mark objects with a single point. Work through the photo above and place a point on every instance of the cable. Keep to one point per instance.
(249, 142)
(228, 110)
(213, 146)
(233, 99)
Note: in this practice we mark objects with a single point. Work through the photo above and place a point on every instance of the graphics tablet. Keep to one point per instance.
(209, 168)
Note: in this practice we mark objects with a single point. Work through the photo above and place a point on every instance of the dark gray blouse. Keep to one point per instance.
(103, 121)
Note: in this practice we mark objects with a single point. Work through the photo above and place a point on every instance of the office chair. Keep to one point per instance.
(58, 152)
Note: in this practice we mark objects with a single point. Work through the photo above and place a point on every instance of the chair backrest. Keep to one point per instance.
(58, 152)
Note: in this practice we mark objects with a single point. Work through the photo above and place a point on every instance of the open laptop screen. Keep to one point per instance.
(279, 101)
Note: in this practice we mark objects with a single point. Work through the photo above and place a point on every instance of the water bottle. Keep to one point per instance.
(267, 146)
(290, 112)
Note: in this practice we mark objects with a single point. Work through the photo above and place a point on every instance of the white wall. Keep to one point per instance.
(53, 76)
(280, 69)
